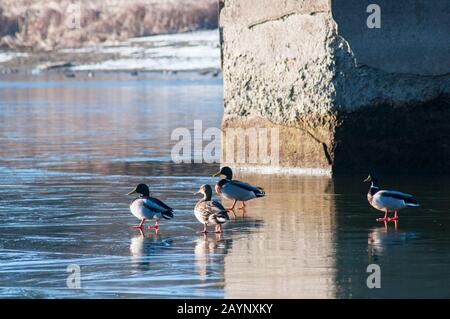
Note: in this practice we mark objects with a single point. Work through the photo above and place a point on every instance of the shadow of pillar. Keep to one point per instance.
(292, 254)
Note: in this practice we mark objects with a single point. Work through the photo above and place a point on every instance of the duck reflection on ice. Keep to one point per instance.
(380, 239)
(210, 252)
(143, 246)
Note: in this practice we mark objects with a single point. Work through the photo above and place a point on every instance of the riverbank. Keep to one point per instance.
(196, 51)
(47, 25)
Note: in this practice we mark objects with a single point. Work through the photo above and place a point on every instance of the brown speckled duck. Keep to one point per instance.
(209, 212)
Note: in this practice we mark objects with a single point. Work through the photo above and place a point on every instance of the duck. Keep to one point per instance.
(388, 201)
(145, 207)
(209, 212)
(236, 190)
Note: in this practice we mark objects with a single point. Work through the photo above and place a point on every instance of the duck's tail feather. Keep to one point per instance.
(411, 202)
(222, 219)
(260, 192)
(219, 218)
(168, 214)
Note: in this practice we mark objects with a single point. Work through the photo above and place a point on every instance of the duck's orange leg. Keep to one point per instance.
(394, 218)
(384, 218)
(243, 206)
(232, 207)
(155, 227)
(141, 225)
(218, 229)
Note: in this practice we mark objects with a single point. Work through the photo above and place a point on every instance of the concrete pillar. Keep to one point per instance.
(349, 86)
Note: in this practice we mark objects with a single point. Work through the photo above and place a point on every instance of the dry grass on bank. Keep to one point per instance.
(41, 25)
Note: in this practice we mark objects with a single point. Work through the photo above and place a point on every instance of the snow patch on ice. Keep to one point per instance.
(184, 51)
(8, 56)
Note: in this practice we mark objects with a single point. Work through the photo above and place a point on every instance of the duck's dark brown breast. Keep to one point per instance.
(372, 191)
(369, 197)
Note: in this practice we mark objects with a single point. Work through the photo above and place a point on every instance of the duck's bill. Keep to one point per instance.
(368, 179)
(217, 174)
(196, 193)
(132, 192)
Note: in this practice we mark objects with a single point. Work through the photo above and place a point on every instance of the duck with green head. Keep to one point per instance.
(387, 201)
(145, 207)
(236, 190)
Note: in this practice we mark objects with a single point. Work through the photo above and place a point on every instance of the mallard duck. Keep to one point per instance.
(209, 212)
(388, 201)
(145, 207)
(236, 190)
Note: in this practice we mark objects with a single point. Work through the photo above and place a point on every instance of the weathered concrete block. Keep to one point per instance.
(345, 97)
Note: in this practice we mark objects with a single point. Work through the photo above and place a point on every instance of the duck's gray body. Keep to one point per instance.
(210, 212)
(390, 201)
(237, 190)
(145, 207)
